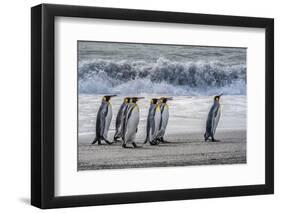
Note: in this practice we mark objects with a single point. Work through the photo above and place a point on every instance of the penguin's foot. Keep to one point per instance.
(125, 146)
(135, 145)
(164, 141)
(214, 140)
(94, 141)
(116, 140)
(158, 141)
(206, 137)
(108, 142)
(154, 142)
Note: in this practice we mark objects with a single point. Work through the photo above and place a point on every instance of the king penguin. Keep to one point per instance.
(120, 118)
(164, 109)
(213, 119)
(103, 121)
(131, 122)
(153, 121)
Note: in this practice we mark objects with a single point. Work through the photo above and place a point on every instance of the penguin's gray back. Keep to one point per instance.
(213, 118)
(119, 116)
(101, 119)
(124, 120)
(150, 126)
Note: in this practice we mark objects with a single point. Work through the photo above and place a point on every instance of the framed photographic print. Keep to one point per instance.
(136, 106)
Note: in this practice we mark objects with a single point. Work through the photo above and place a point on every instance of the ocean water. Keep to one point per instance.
(134, 69)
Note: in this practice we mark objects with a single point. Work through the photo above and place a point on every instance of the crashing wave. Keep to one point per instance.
(161, 77)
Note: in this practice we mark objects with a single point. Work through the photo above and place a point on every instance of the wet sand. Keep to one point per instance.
(189, 149)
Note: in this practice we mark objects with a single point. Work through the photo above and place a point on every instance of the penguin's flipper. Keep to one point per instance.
(127, 115)
(102, 116)
(119, 117)
(152, 122)
(215, 119)
(147, 129)
(216, 111)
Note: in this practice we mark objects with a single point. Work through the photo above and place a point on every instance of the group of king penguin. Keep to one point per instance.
(128, 116)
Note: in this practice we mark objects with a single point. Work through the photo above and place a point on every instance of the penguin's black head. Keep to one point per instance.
(127, 100)
(135, 99)
(217, 97)
(154, 100)
(107, 98)
(165, 99)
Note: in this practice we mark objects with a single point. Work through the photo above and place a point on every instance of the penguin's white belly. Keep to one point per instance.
(107, 121)
(216, 121)
(165, 119)
(157, 119)
(132, 125)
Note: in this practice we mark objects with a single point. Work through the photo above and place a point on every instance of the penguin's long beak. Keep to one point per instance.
(170, 98)
(140, 98)
(220, 94)
(112, 96)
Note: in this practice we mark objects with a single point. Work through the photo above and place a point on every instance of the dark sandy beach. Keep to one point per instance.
(188, 150)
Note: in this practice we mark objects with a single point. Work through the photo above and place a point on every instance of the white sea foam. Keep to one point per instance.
(162, 76)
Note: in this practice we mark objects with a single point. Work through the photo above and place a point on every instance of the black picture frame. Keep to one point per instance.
(43, 105)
